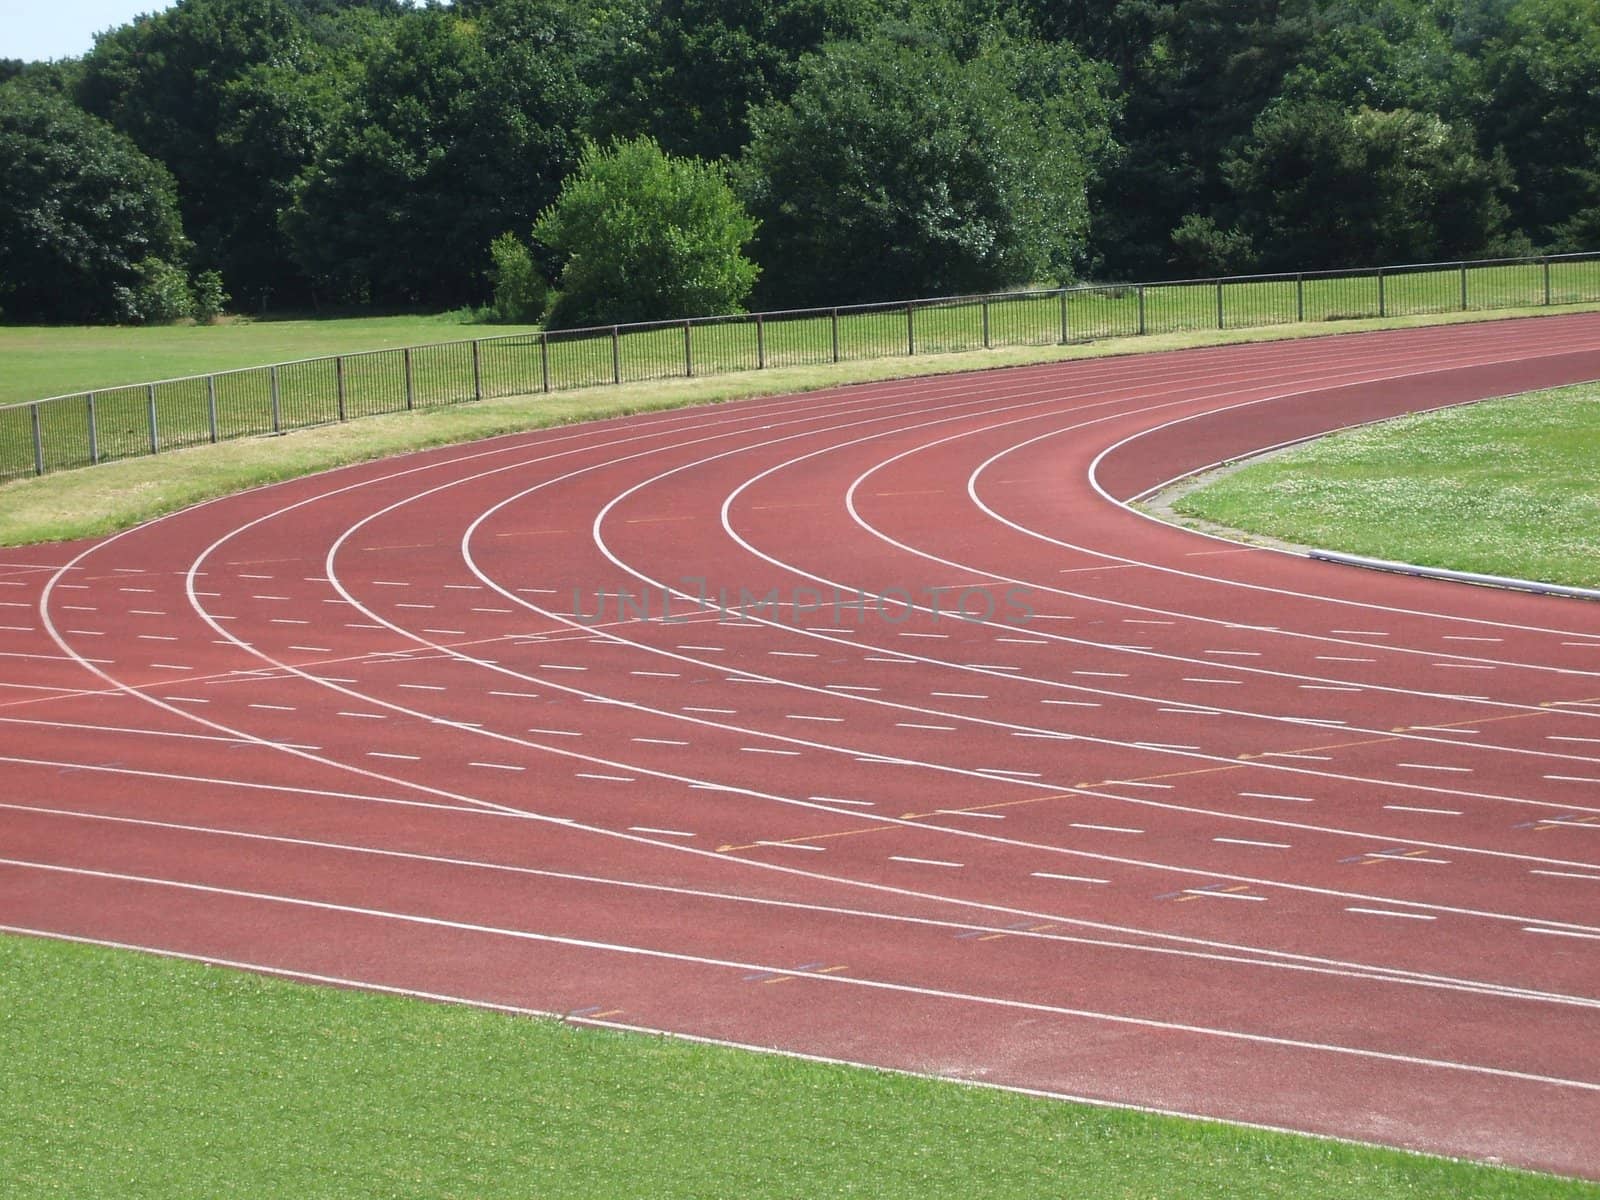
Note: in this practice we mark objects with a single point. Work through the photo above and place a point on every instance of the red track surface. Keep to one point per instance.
(1217, 830)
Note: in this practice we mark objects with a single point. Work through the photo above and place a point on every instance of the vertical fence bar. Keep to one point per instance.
(1383, 307)
(836, 335)
(155, 424)
(277, 406)
(1463, 287)
(1141, 310)
(1065, 331)
(911, 330)
(94, 433)
(688, 351)
(1300, 298)
(544, 359)
(616, 355)
(1219, 304)
(411, 387)
(761, 343)
(338, 384)
(211, 409)
(38, 441)
(1547, 282)
(477, 372)
(985, 303)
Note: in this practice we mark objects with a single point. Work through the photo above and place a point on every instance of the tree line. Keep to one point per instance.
(604, 160)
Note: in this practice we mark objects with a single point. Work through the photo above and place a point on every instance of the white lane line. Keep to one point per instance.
(794, 654)
(388, 754)
(151, 637)
(1435, 767)
(841, 800)
(960, 695)
(1565, 874)
(1227, 841)
(423, 687)
(1069, 703)
(494, 766)
(649, 741)
(966, 812)
(274, 707)
(1557, 737)
(663, 832)
(1461, 637)
(321, 650)
(792, 846)
(765, 750)
(1441, 812)
(1572, 933)
(1384, 912)
(366, 716)
(915, 725)
(1106, 828)
(1004, 771)
(1104, 674)
(1234, 653)
(1210, 895)
(606, 778)
(1325, 687)
(656, 674)
(718, 649)
(1343, 658)
(725, 712)
(1067, 878)
(807, 717)
(923, 862)
(1573, 778)
(517, 695)
(557, 732)
(1464, 666)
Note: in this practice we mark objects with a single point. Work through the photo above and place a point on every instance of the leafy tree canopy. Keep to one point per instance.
(646, 236)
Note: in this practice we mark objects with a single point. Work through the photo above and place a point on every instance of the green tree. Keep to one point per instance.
(199, 87)
(86, 220)
(691, 70)
(461, 128)
(644, 236)
(898, 169)
(1543, 73)
(1318, 185)
(521, 294)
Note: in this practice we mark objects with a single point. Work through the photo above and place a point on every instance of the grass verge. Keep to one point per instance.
(103, 499)
(1504, 487)
(131, 1076)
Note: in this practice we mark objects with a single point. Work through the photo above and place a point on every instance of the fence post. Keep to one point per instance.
(155, 427)
(688, 351)
(1141, 309)
(1219, 304)
(411, 387)
(761, 343)
(477, 372)
(38, 442)
(544, 359)
(616, 354)
(338, 384)
(1300, 298)
(836, 335)
(1463, 287)
(277, 406)
(985, 303)
(94, 434)
(1547, 282)
(1065, 331)
(911, 330)
(211, 408)
(1383, 307)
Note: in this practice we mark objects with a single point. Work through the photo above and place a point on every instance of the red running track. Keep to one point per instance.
(1180, 824)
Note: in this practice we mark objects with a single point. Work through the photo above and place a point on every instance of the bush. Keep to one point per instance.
(160, 296)
(210, 298)
(521, 293)
(646, 236)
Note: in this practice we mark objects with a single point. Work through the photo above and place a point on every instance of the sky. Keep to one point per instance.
(42, 29)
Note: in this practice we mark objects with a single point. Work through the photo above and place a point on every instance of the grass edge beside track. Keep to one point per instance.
(133, 1075)
(99, 500)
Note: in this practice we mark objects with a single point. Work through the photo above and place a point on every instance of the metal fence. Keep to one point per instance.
(120, 422)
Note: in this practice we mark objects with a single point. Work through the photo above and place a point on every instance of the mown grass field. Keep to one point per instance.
(127, 421)
(129, 1076)
(1506, 487)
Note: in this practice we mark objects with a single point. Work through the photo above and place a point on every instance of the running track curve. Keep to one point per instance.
(1178, 824)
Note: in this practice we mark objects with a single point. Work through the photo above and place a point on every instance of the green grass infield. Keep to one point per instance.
(132, 1076)
(1505, 487)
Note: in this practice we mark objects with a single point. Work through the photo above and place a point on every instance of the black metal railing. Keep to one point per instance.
(121, 422)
